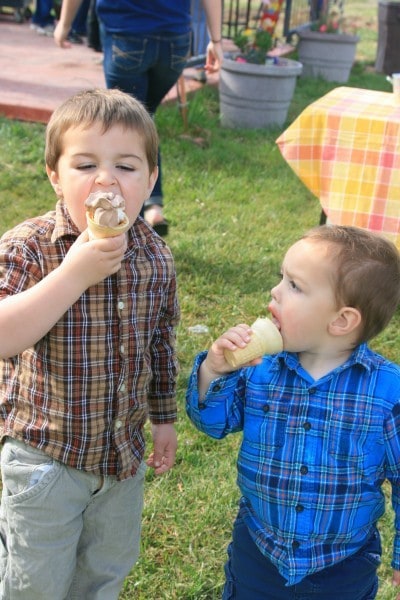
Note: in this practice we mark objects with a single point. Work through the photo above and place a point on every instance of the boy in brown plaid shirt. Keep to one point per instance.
(87, 353)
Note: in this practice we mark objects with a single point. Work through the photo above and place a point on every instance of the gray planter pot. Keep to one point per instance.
(256, 96)
(327, 55)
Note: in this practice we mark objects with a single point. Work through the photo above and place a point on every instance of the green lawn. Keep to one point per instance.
(234, 207)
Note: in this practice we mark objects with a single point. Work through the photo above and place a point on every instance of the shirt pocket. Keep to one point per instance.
(180, 47)
(266, 417)
(353, 436)
(128, 53)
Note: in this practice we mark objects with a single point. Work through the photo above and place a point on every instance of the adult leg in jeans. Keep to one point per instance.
(146, 67)
(42, 16)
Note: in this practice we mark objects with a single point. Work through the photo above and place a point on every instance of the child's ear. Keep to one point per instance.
(346, 321)
(53, 177)
(152, 180)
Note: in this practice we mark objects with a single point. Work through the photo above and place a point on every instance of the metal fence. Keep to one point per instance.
(238, 14)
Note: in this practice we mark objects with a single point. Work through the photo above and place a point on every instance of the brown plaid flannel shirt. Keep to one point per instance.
(83, 392)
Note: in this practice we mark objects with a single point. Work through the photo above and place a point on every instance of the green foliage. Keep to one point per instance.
(234, 206)
(253, 45)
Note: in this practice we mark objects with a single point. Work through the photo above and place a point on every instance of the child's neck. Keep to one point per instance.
(319, 364)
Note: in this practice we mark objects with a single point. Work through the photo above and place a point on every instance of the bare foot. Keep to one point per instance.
(154, 215)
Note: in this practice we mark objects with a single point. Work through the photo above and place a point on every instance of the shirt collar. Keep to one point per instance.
(361, 355)
(64, 225)
(139, 235)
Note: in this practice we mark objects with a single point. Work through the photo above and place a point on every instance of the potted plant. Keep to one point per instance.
(327, 49)
(256, 88)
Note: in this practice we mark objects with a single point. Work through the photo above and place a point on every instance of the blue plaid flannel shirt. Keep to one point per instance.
(314, 454)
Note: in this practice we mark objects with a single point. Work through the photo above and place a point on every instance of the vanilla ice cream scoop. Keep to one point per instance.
(265, 339)
(105, 215)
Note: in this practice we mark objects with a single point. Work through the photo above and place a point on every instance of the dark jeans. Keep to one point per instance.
(251, 576)
(79, 24)
(42, 15)
(146, 67)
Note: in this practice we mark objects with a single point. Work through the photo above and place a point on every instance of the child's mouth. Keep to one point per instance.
(275, 321)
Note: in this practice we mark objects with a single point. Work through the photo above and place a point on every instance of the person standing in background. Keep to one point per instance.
(146, 46)
(79, 25)
(43, 18)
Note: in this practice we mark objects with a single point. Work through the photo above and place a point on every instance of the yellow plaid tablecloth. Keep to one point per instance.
(345, 147)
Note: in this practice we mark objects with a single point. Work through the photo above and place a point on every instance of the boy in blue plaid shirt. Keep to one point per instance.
(320, 425)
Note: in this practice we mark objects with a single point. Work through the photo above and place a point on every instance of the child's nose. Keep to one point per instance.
(275, 292)
(105, 177)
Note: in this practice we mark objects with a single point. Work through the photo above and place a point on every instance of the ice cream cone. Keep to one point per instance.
(265, 339)
(97, 231)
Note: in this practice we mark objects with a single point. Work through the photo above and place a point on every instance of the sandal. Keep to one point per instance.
(160, 227)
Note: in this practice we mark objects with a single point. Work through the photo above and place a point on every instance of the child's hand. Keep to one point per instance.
(162, 459)
(61, 35)
(396, 581)
(236, 337)
(214, 57)
(92, 261)
(215, 363)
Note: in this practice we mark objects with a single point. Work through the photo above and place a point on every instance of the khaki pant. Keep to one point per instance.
(65, 534)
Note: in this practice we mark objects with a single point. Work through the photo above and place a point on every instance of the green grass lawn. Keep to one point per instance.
(234, 208)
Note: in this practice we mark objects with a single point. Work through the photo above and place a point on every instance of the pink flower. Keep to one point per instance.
(323, 28)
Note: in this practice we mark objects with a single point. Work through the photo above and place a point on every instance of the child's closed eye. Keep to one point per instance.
(125, 167)
(85, 166)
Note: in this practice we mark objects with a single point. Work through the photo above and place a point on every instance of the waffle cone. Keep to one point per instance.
(265, 339)
(97, 231)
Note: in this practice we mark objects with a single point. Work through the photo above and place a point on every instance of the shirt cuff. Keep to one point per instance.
(211, 415)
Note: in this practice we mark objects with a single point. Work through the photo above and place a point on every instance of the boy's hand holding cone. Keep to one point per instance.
(265, 339)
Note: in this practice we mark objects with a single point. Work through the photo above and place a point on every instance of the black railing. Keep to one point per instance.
(240, 13)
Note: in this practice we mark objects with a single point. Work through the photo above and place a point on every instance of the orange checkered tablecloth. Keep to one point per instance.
(345, 147)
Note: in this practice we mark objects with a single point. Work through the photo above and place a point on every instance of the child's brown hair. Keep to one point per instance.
(366, 273)
(107, 107)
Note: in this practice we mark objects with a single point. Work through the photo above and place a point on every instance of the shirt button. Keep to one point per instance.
(295, 545)
(299, 508)
(304, 470)
(121, 305)
(266, 408)
(307, 426)
(311, 391)
(118, 424)
(122, 387)
(122, 349)
(217, 387)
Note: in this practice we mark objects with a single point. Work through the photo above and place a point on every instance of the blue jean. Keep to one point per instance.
(79, 24)
(252, 576)
(199, 27)
(65, 534)
(146, 67)
(42, 15)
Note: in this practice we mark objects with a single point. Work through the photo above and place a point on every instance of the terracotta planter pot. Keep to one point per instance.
(327, 55)
(256, 96)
